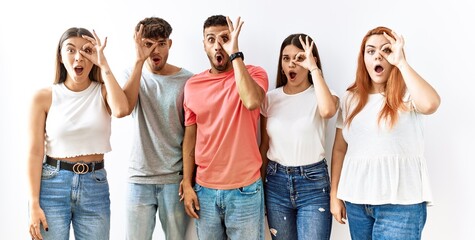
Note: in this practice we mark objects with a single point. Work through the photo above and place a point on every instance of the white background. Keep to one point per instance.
(439, 45)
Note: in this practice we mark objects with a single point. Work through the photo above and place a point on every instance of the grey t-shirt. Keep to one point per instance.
(158, 128)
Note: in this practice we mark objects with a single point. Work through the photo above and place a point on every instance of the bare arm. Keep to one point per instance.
(114, 95)
(189, 195)
(264, 146)
(337, 207)
(143, 49)
(250, 92)
(425, 98)
(327, 103)
(36, 130)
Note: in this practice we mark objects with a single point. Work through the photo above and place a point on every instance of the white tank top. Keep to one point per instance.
(77, 123)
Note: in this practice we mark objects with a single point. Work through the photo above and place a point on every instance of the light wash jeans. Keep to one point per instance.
(143, 202)
(386, 222)
(298, 201)
(235, 214)
(82, 200)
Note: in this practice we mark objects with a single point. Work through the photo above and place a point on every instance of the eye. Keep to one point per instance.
(148, 44)
(225, 39)
(69, 50)
(285, 58)
(211, 40)
(387, 50)
(162, 44)
(88, 50)
(300, 58)
(370, 51)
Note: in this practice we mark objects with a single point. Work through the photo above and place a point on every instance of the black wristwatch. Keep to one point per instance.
(236, 55)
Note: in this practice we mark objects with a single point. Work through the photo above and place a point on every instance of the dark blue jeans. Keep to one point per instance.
(298, 201)
(387, 221)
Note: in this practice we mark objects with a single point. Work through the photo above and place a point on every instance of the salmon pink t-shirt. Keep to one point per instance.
(226, 152)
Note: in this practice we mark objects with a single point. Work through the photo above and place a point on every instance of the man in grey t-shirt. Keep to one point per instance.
(155, 96)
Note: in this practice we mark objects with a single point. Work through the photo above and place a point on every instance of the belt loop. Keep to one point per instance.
(93, 166)
(301, 171)
(58, 164)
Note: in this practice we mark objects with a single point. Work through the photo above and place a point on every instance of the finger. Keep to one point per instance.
(45, 224)
(138, 35)
(239, 25)
(96, 38)
(196, 203)
(390, 39)
(190, 210)
(230, 24)
(301, 41)
(105, 43)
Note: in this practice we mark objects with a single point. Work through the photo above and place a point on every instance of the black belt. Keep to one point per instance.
(78, 168)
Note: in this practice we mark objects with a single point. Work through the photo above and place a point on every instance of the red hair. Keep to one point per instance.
(394, 89)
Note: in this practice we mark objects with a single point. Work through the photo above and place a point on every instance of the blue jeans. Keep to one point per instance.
(387, 221)
(236, 214)
(298, 201)
(143, 201)
(82, 200)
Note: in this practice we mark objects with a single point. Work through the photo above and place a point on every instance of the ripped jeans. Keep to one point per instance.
(298, 201)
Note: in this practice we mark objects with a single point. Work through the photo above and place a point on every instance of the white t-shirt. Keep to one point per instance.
(296, 130)
(382, 165)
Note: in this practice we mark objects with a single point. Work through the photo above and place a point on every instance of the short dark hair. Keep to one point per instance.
(215, 20)
(154, 27)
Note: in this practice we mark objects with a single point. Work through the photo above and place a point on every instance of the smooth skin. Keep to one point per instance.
(76, 52)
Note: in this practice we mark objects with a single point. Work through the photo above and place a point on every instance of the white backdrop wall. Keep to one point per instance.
(439, 37)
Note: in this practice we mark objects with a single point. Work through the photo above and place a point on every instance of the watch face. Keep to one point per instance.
(236, 55)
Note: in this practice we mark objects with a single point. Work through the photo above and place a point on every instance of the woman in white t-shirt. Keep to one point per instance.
(379, 174)
(293, 124)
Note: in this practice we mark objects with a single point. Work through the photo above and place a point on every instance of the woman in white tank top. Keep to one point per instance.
(69, 129)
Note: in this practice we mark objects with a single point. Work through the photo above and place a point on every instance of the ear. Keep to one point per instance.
(170, 42)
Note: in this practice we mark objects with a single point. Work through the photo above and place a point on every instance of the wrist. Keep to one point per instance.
(313, 69)
(236, 55)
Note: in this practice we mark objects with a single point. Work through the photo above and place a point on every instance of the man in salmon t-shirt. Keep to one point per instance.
(221, 114)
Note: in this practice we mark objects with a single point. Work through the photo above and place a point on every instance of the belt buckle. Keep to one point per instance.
(80, 168)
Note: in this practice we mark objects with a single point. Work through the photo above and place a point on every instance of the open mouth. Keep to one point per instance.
(378, 69)
(156, 60)
(78, 70)
(219, 58)
(292, 75)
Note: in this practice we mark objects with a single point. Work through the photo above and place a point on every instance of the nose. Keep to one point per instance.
(292, 63)
(217, 46)
(378, 56)
(156, 50)
(78, 57)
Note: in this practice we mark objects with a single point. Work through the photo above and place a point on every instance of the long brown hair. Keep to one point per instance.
(293, 39)
(61, 72)
(394, 90)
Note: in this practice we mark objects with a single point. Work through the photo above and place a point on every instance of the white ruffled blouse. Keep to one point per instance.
(383, 165)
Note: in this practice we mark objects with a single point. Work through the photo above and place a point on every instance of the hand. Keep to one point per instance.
(231, 45)
(338, 210)
(37, 219)
(393, 52)
(191, 202)
(306, 59)
(143, 46)
(94, 50)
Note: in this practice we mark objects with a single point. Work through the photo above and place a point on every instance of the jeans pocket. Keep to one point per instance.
(271, 169)
(197, 187)
(316, 174)
(49, 171)
(251, 189)
(100, 176)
